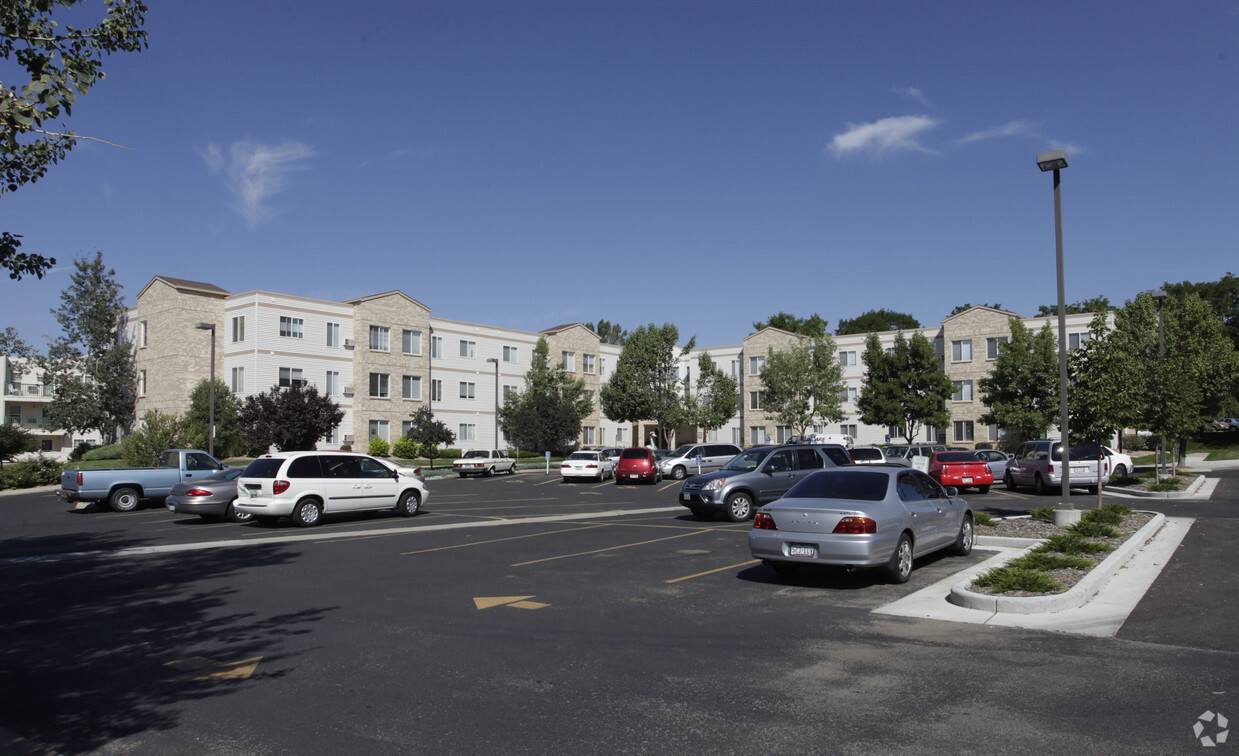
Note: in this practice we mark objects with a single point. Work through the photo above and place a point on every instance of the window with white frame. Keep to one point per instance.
(333, 334)
(998, 434)
(468, 348)
(754, 400)
(963, 430)
(411, 387)
(568, 361)
(291, 327)
(379, 386)
(405, 427)
(467, 432)
(735, 368)
(510, 391)
(848, 429)
(467, 390)
(509, 354)
(587, 363)
(737, 436)
(782, 434)
(993, 346)
(380, 337)
(757, 435)
(847, 358)
(1075, 340)
(141, 387)
(331, 386)
(436, 390)
(410, 341)
(587, 436)
(238, 380)
(621, 436)
(962, 392)
(961, 351)
(849, 394)
(436, 347)
(290, 377)
(238, 328)
(756, 364)
(378, 429)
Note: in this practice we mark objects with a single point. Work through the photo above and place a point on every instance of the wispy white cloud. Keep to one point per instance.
(1071, 148)
(888, 135)
(1009, 129)
(912, 93)
(255, 173)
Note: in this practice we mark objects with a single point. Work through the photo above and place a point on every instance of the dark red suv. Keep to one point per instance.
(637, 463)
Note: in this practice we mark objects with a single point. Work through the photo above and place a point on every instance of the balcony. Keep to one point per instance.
(29, 423)
(27, 390)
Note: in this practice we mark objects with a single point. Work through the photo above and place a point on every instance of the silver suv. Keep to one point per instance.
(682, 462)
(307, 485)
(902, 454)
(1040, 464)
(755, 477)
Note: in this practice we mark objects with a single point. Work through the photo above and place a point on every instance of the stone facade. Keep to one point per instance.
(172, 355)
(756, 423)
(397, 313)
(582, 348)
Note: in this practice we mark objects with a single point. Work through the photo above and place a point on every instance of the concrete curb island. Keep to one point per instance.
(1080, 593)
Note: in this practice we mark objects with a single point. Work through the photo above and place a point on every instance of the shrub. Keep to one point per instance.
(379, 447)
(1071, 544)
(1008, 579)
(1109, 514)
(981, 518)
(1042, 513)
(1093, 529)
(346, 447)
(109, 452)
(1173, 483)
(79, 450)
(39, 471)
(159, 431)
(1044, 561)
(404, 448)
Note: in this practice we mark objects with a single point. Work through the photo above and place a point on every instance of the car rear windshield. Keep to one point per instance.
(635, 454)
(267, 467)
(957, 457)
(584, 455)
(1082, 452)
(832, 484)
(867, 454)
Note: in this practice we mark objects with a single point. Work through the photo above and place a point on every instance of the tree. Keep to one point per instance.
(1096, 304)
(428, 433)
(157, 433)
(904, 388)
(60, 66)
(290, 419)
(198, 419)
(645, 385)
(716, 401)
(548, 413)
(965, 307)
(91, 366)
(803, 383)
(1021, 393)
(610, 333)
(15, 440)
(811, 326)
(877, 320)
(1223, 296)
(1102, 390)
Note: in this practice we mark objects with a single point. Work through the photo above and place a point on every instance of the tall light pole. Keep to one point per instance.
(496, 361)
(1160, 296)
(1056, 160)
(211, 418)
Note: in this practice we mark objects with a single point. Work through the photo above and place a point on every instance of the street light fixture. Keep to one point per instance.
(211, 418)
(1056, 160)
(496, 361)
(1160, 297)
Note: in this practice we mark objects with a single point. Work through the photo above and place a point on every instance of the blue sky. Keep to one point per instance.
(707, 164)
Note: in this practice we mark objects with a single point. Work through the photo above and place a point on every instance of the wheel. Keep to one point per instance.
(702, 514)
(963, 541)
(307, 513)
(512, 469)
(782, 569)
(739, 507)
(658, 477)
(1039, 486)
(410, 503)
(234, 516)
(462, 475)
(490, 472)
(124, 499)
(982, 489)
(1009, 482)
(1120, 471)
(678, 472)
(619, 481)
(899, 568)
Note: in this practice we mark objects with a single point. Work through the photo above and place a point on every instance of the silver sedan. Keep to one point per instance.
(861, 517)
(996, 460)
(210, 498)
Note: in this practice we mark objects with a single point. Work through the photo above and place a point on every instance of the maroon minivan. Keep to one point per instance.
(637, 463)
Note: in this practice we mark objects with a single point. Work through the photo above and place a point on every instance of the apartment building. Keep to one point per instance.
(24, 403)
(384, 356)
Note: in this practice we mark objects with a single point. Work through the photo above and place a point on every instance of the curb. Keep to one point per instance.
(1186, 493)
(1078, 596)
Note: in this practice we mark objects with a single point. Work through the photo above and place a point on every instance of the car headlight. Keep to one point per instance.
(714, 485)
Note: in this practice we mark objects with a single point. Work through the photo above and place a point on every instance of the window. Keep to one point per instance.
(405, 427)
(509, 354)
(238, 328)
(756, 364)
(291, 377)
(587, 363)
(141, 384)
(961, 351)
(378, 386)
(378, 429)
(436, 391)
(782, 433)
(467, 432)
(735, 368)
(587, 436)
(509, 391)
(998, 434)
(291, 327)
(963, 430)
(602, 365)
(963, 391)
(436, 347)
(467, 390)
(411, 341)
(992, 347)
(568, 361)
(142, 330)
(757, 435)
(331, 386)
(619, 436)
(849, 394)
(468, 348)
(848, 429)
(379, 338)
(411, 387)
(847, 358)
(1075, 340)
(754, 400)
(333, 334)
(238, 380)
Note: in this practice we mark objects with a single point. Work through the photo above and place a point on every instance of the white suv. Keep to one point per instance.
(307, 485)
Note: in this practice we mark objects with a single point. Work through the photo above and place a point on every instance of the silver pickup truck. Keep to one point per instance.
(122, 488)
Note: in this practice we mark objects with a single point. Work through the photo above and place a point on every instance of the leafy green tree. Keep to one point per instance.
(1103, 387)
(198, 419)
(59, 66)
(16, 349)
(290, 419)
(15, 440)
(1096, 304)
(804, 383)
(157, 433)
(716, 401)
(965, 307)
(428, 433)
(904, 388)
(548, 413)
(1223, 296)
(610, 333)
(810, 326)
(877, 320)
(91, 366)
(1021, 393)
(645, 385)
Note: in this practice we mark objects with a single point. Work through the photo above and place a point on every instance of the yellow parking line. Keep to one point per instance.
(499, 540)
(609, 548)
(711, 572)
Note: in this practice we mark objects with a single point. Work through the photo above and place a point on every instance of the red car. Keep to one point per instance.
(961, 469)
(637, 463)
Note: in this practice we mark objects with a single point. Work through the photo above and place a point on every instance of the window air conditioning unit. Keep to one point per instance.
(348, 343)
(348, 390)
(348, 439)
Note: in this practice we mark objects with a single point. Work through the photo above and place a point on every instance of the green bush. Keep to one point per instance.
(379, 447)
(346, 447)
(1042, 513)
(405, 448)
(39, 471)
(1008, 579)
(1072, 543)
(1092, 529)
(159, 431)
(104, 453)
(1109, 514)
(1044, 561)
(81, 448)
(1172, 483)
(981, 518)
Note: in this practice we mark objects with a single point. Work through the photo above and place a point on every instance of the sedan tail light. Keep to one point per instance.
(763, 521)
(279, 487)
(856, 526)
(197, 492)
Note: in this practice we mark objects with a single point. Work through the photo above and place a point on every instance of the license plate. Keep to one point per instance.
(967, 480)
(634, 476)
(685, 497)
(801, 550)
(171, 507)
(1079, 470)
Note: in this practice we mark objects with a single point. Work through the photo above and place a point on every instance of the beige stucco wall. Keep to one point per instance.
(397, 312)
(176, 355)
(759, 345)
(581, 341)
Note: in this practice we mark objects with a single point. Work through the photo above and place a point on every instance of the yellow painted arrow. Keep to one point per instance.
(519, 602)
(199, 668)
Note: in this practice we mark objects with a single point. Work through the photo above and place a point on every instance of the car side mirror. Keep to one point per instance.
(952, 491)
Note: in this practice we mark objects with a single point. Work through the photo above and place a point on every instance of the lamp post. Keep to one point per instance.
(496, 361)
(211, 418)
(1160, 297)
(1056, 160)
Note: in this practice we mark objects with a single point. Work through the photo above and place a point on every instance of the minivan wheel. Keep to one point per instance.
(1009, 482)
(1039, 487)
(307, 513)
(739, 507)
(678, 472)
(410, 504)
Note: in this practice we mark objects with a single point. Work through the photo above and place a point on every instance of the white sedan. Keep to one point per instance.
(594, 465)
(1120, 464)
